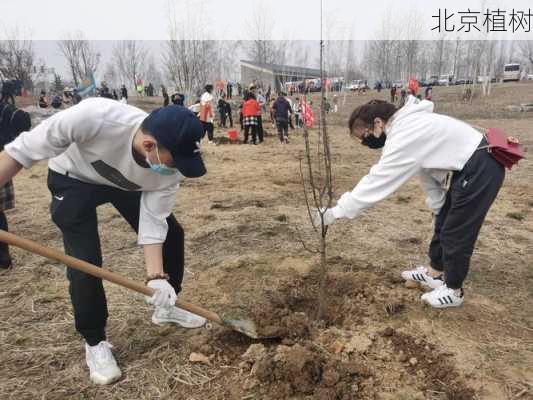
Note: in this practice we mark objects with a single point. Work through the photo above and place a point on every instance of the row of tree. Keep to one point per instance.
(187, 63)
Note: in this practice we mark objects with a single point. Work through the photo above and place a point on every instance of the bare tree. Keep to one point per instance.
(440, 56)
(456, 55)
(17, 58)
(411, 44)
(153, 74)
(260, 48)
(111, 75)
(526, 50)
(129, 56)
(190, 60)
(317, 181)
(83, 59)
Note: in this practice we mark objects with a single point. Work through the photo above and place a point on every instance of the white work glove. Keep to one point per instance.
(328, 216)
(164, 296)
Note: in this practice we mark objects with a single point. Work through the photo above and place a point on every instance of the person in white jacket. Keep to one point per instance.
(207, 113)
(459, 175)
(102, 151)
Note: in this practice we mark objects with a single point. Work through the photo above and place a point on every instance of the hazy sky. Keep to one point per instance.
(106, 20)
(294, 19)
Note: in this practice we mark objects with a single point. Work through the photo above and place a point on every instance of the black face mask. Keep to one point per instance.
(374, 142)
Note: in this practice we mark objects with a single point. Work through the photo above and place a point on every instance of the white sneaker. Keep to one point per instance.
(103, 368)
(420, 275)
(175, 315)
(443, 297)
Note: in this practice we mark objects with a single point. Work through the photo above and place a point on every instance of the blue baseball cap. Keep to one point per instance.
(178, 130)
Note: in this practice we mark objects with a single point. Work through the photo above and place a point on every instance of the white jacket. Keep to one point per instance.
(205, 99)
(419, 142)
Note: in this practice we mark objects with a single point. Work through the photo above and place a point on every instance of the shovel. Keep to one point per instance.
(244, 326)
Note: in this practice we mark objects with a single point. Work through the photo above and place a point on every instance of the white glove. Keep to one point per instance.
(328, 216)
(164, 296)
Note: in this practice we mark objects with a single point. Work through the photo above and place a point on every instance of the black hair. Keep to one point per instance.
(366, 113)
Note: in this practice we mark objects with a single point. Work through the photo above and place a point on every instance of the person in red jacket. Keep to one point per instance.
(250, 109)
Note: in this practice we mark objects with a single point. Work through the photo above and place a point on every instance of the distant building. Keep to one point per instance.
(274, 75)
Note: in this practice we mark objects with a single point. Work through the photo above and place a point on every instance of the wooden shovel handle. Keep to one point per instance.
(98, 272)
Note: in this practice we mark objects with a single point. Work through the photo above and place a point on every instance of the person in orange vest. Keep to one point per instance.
(250, 110)
(412, 88)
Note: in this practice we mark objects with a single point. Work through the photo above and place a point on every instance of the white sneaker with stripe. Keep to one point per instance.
(443, 297)
(420, 275)
(178, 316)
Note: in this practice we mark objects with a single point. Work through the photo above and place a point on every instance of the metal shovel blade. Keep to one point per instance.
(244, 326)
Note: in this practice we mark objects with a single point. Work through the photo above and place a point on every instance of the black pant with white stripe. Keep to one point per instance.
(471, 194)
(73, 210)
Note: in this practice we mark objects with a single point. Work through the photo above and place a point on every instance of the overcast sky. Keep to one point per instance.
(106, 20)
(294, 19)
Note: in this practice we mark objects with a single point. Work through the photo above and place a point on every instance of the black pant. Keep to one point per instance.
(283, 129)
(247, 129)
(5, 258)
(208, 127)
(472, 192)
(260, 132)
(73, 210)
(222, 119)
(230, 117)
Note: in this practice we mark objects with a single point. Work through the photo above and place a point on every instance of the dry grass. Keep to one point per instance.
(240, 222)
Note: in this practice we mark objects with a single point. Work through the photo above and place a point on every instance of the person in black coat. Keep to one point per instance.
(8, 89)
(282, 112)
(224, 110)
(13, 121)
(124, 92)
(164, 93)
(178, 99)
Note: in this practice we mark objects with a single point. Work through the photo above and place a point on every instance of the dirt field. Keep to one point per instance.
(243, 255)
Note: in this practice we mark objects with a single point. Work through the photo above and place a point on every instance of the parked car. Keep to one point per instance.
(529, 77)
(481, 79)
(433, 80)
(463, 81)
(357, 85)
(398, 84)
(445, 80)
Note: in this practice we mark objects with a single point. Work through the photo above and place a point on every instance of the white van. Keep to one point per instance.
(445, 80)
(511, 72)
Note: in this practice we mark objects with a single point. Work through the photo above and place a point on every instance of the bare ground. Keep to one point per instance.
(243, 222)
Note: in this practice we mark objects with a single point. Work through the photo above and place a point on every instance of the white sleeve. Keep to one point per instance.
(54, 135)
(436, 195)
(395, 167)
(156, 206)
